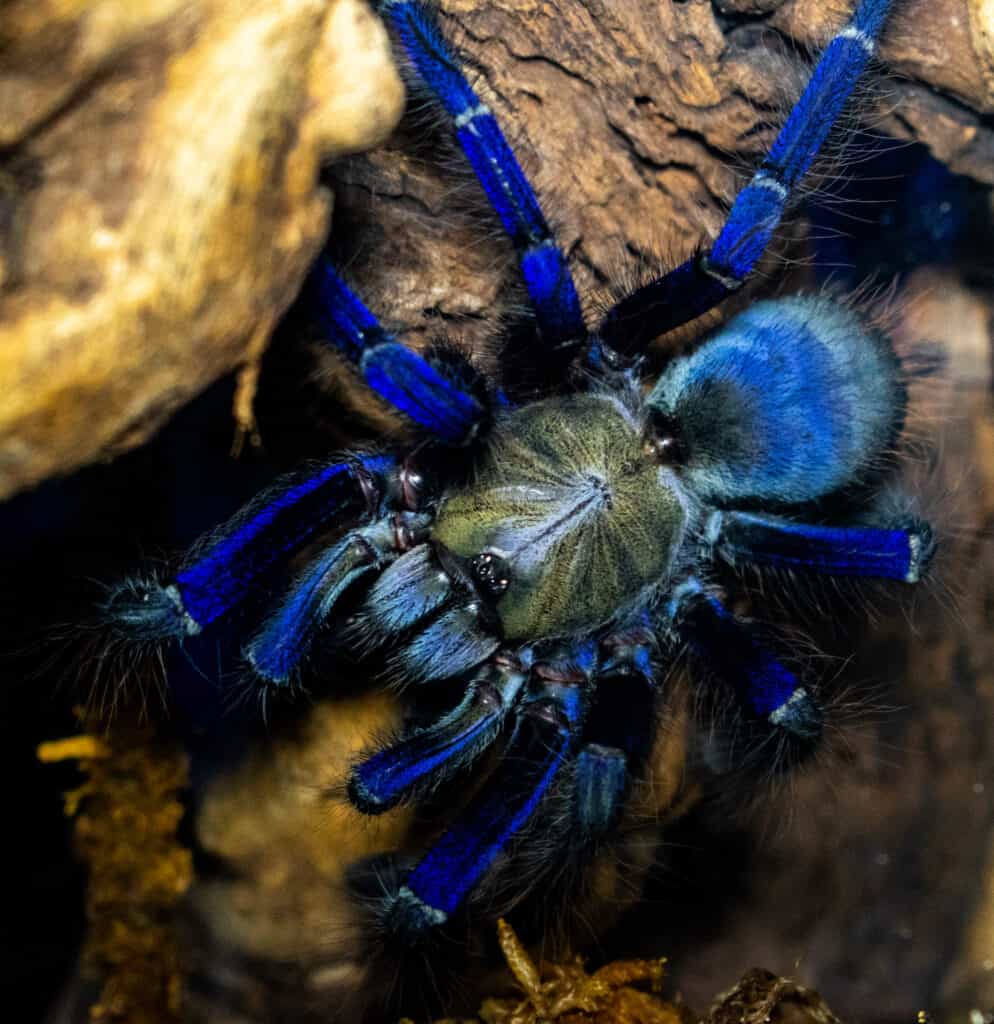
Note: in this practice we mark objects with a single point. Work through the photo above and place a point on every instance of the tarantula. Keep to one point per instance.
(544, 558)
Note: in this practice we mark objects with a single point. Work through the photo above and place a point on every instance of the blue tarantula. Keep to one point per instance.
(546, 557)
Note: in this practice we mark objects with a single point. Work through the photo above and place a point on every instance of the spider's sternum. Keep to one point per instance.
(579, 519)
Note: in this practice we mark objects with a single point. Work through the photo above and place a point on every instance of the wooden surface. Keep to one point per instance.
(158, 200)
(637, 122)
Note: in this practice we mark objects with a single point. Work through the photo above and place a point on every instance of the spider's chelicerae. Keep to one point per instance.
(542, 559)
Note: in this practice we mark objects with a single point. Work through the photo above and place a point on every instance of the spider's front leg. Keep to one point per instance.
(242, 559)
(284, 640)
(430, 758)
(866, 552)
(618, 735)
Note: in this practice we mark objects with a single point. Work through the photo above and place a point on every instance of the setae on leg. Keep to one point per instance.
(284, 640)
(240, 558)
(745, 538)
(545, 732)
(432, 757)
(620, 727)
(547, 277)
(764, 687)
(449, 402)
(703, 281)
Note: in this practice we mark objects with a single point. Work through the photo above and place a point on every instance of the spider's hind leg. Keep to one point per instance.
(618, 736)
(742, 538)
(547, 724)
(778, 705)
(704, 281)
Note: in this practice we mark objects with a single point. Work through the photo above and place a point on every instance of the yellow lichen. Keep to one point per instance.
(126, 815)
(570, 995)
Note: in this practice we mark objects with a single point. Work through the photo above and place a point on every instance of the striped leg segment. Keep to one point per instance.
(702, 282)
(730, 649)
(247, 550)
(434, 756)
(547, 277)
(543, 737)
(743, 538)
(430, 393)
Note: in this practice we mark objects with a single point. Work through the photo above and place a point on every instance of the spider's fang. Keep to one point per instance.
(411, 485)
(367, 487)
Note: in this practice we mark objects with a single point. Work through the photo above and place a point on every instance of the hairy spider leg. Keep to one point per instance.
(619, 730)
(244, 553)
(432, 757)
(284, 640)
(547, 723)
(544, 268)
(452, 632)
(434, 394)
(764, 687)
(703, 281)
(746, 538)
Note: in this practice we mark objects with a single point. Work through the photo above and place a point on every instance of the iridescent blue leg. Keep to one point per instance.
(547, 277)
(229, 566)
(766, 688)
(703, 281)
(432, 757)
(284, 640)
(744, 538)
(548, 721)
(448, 632)
(448, 401)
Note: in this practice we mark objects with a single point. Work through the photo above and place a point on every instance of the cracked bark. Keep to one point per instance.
(635, 120)
(637, 123)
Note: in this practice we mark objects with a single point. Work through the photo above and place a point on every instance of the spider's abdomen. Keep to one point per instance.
(791, 400)
(578, 519)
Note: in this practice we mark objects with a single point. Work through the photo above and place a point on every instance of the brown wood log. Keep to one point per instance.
(158, 205)
(159, 201)
(637, 122)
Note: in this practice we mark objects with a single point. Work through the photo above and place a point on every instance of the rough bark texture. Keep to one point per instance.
(158, 206)
(159, 203)
(637, 122)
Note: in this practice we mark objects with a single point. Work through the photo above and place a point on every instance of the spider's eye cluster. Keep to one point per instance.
(662, 441)
(490, 573)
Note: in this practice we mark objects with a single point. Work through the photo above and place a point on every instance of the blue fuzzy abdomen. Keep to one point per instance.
(792, 400)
